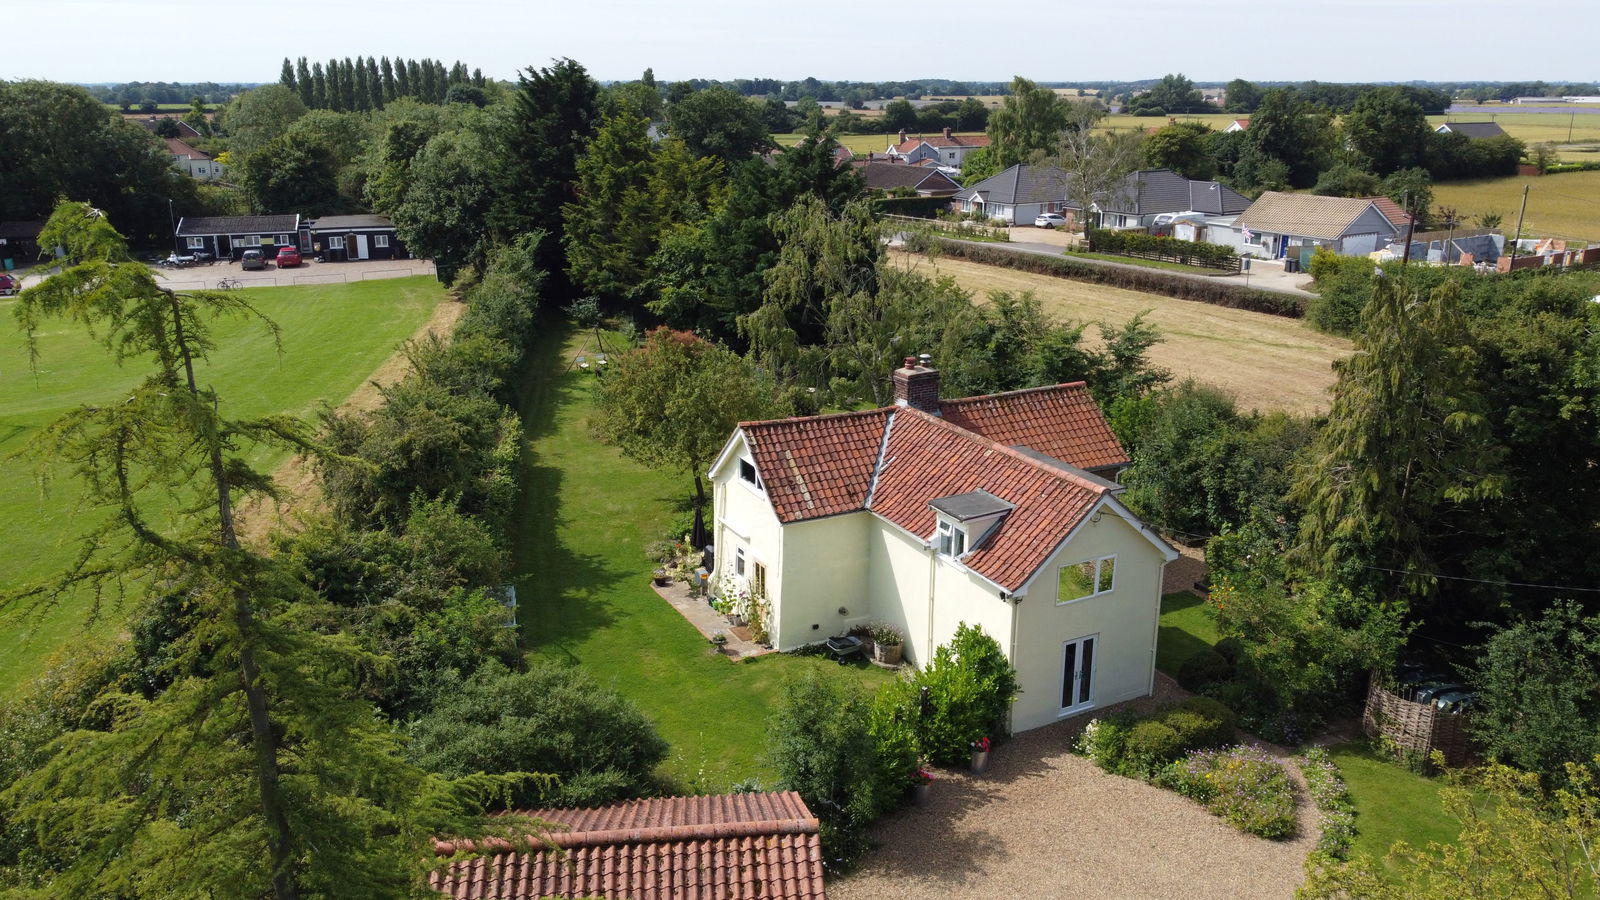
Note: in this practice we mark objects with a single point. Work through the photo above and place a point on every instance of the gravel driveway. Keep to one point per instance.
(1045, 823)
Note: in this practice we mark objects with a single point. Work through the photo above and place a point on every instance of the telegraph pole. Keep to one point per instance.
(1411, 228)
(1524, 211)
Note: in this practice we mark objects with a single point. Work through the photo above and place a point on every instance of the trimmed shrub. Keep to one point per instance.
(1230, 648)
(820, 747)
(1204, 667)
(892, 724)
(1220, 718)
(552, 719)
(1152, 246)
(1152, 744)
(1152, 281)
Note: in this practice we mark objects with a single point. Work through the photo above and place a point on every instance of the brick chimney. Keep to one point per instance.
(902, 136)
(916, 384)
(947, 131)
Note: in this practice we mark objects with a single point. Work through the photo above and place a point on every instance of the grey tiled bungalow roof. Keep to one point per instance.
(1152, 191)
(1477, 130)
(886, 176)
(204, 225)
(1021, 184)
(327, 223)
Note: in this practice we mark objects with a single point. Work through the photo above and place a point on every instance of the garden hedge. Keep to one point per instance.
(1154, 246)
(1150, 281)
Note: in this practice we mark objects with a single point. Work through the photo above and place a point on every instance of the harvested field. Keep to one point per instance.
(1564, 205)
(1266, 362)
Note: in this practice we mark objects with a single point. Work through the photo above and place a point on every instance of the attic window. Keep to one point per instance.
(952, 539)
(748, 474)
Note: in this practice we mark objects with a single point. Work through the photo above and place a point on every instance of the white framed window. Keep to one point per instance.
(1089, 578)
(283, 239)
(739, 562)
(380, 240)
(249, 240)
(749, 475)
(197, 243)
(336, 242)
(952, 539)
(758, 580)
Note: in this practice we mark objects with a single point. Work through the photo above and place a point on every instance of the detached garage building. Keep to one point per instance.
(340, 238)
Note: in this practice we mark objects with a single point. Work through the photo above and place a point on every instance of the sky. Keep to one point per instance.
(865, 40)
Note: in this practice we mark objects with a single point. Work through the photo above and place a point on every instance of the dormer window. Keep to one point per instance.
(952, 539)
(967, 520)
(748, 474)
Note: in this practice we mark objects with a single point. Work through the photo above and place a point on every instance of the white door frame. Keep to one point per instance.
(361, 246)
(1075, 677)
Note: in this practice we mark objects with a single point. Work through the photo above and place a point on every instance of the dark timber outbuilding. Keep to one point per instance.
(340, 238)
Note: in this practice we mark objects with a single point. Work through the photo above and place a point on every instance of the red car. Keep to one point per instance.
(288, 256)
(9, 285)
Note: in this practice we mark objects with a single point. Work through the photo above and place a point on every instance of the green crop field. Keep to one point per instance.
(1566, 205)
(334, 337)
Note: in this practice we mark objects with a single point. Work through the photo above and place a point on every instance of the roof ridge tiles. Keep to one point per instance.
(1032, 390)
(857, 413)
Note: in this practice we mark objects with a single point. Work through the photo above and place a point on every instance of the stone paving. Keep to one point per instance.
(708, 621)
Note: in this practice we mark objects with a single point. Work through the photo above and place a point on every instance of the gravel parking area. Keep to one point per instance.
(1045, 823)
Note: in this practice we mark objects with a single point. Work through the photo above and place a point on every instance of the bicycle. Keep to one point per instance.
(228, 284)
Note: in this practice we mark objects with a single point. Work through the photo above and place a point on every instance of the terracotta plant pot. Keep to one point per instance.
(887, 654)
(980, 761)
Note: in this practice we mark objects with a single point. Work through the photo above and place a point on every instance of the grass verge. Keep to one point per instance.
(1392, 802)
(334, 337)
(1148, 263)
(585, 517)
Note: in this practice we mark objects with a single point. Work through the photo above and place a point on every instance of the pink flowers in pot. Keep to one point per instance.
(923, 776)
(981, 745)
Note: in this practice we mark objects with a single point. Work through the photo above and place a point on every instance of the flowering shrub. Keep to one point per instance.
(1332, 798)
(981, 745)
(1245, 786)
(1134, 748)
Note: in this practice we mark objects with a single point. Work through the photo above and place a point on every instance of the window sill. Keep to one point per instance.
(1087, 597)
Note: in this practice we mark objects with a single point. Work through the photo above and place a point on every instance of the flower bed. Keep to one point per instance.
(1245, 786)
(1337, 812)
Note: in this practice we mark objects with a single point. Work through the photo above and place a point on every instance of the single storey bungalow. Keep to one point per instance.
(341, 238)
(227, 237)
(1477, 131)
(890, 177)
(1279, 225)
(1148, 193)
(19, 243)
(1017, 196)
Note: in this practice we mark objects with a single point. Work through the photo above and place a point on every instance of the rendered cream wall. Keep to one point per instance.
(824, 569)
(1125, 620)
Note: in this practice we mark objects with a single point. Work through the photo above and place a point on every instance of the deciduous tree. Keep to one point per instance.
(1030, 121)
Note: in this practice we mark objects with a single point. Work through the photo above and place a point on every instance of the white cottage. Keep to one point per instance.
(998, 511)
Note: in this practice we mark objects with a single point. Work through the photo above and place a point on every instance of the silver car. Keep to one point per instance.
(1049, 220)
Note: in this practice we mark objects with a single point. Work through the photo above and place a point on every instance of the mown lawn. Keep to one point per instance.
(333, 338)
(583, 580)
(1392, 802)
(1186, 629)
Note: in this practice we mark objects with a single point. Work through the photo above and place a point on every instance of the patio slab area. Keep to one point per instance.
(708, 621)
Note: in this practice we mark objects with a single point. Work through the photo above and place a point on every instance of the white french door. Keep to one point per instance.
(1077, 674)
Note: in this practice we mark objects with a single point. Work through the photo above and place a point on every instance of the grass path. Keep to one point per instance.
(586, 515)
(334, 337)
(1266, 362)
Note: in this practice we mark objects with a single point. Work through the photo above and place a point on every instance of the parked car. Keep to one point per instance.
(288, 257)
(252, 259)
(9, 285)
(1049, 220)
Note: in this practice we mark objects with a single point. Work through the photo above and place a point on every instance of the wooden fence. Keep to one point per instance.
(1415, 727)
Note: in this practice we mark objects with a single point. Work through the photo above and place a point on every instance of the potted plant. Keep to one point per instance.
(664, 554)
(719, 639)
(921, 787)
(980, 755)
(887, 644)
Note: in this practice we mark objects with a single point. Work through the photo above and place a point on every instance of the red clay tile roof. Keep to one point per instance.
(818, 465)
(1060, 420)
(827, 465)
(926, 458)
(939, 140)
(1394, 212)
(177, 147)
(733, 846)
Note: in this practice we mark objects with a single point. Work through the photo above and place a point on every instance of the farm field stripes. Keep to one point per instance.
(334, 338)
(1566, 205)
(1266, 362)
